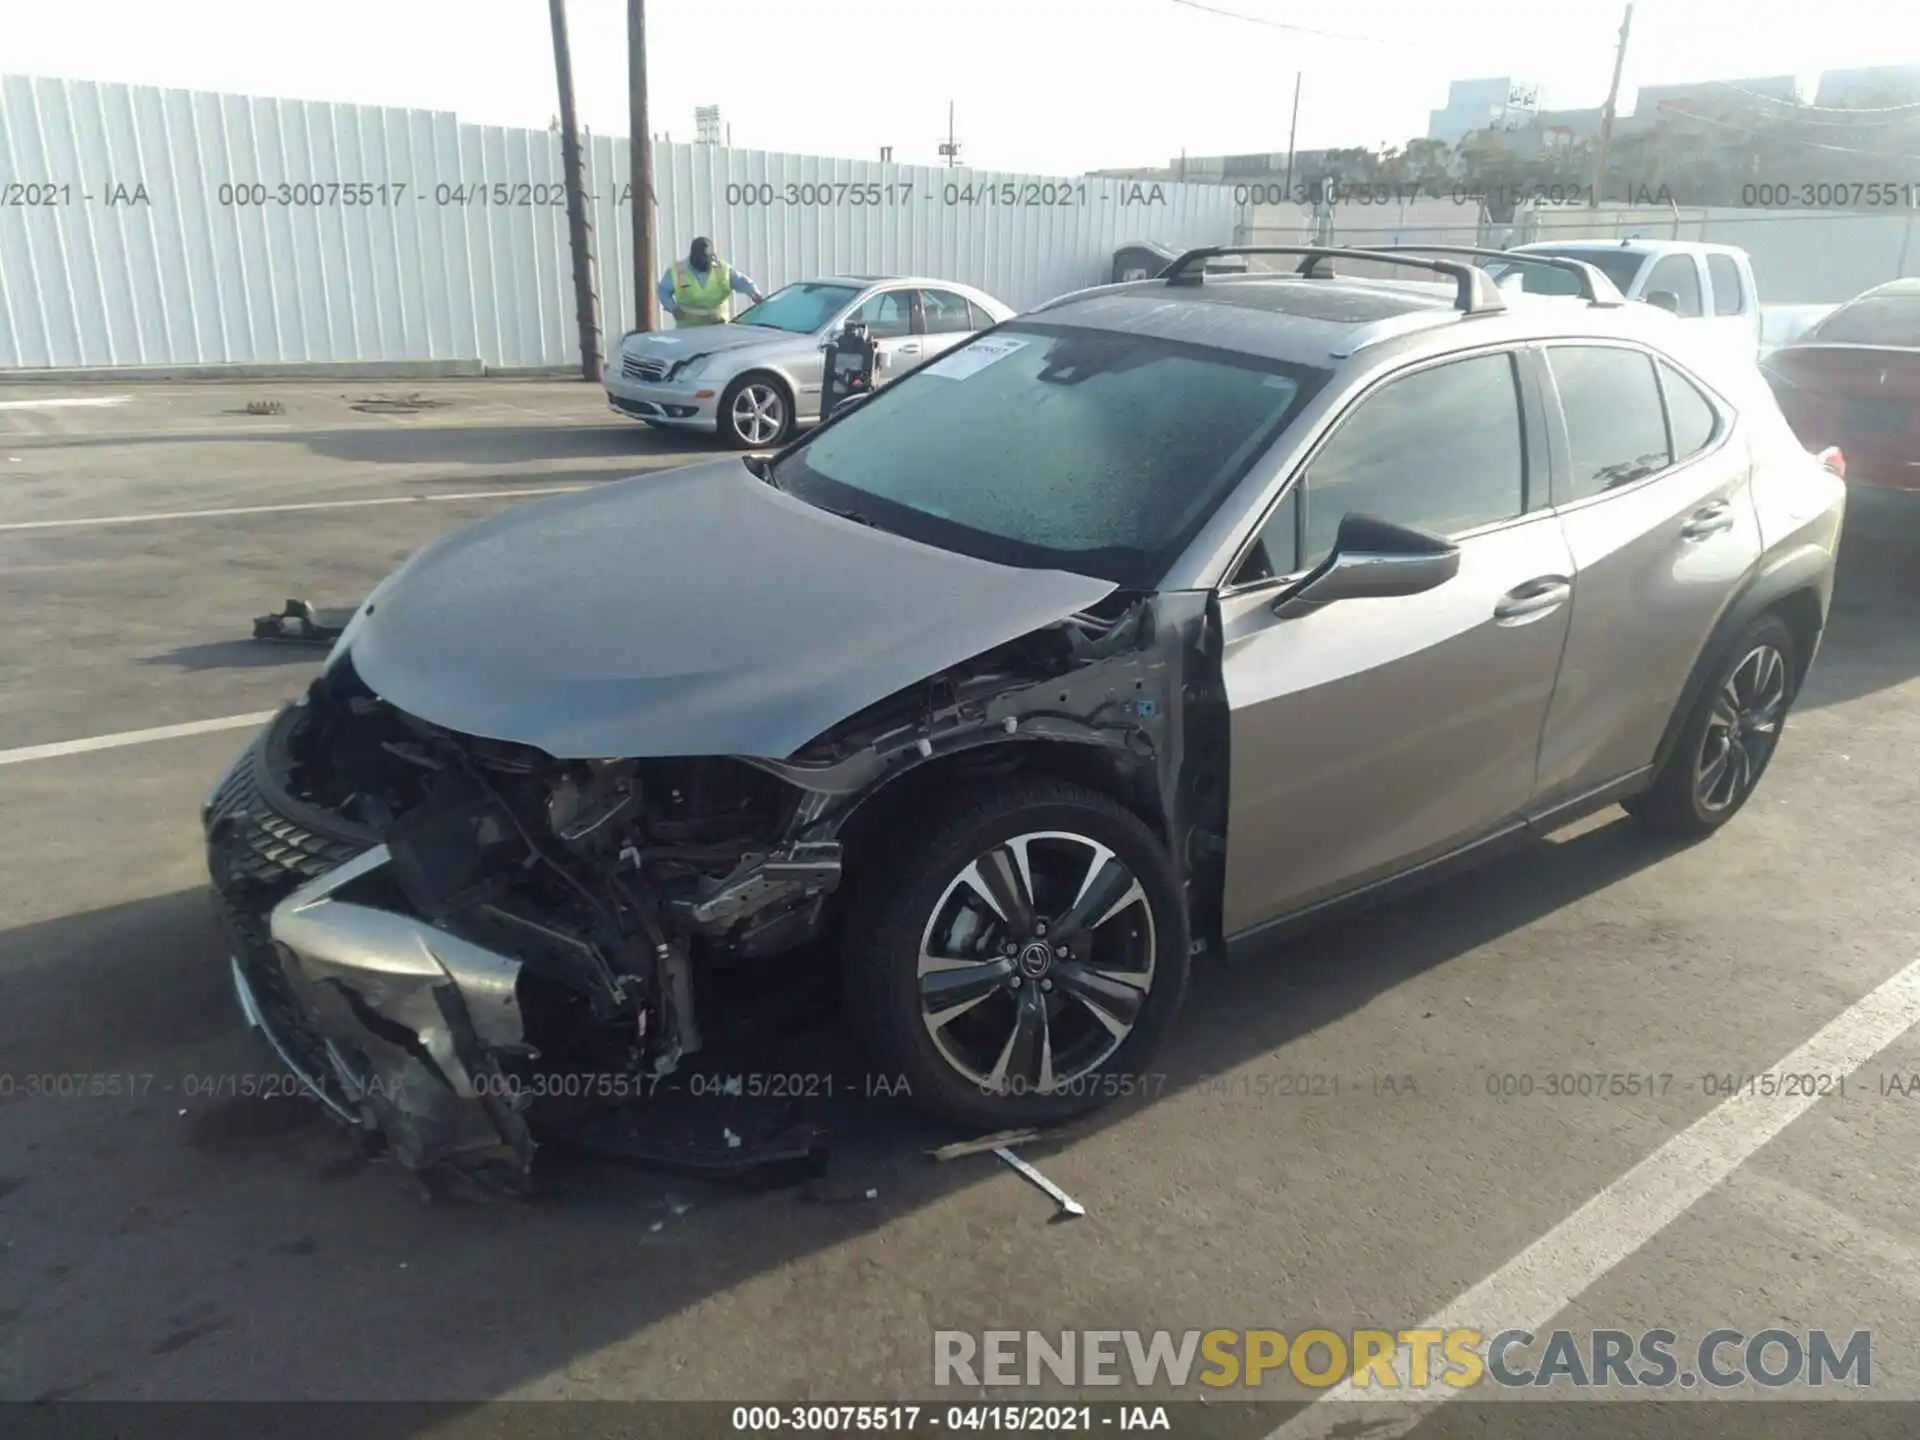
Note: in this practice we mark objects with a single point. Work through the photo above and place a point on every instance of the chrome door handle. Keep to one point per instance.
(1708, 520)
(908, 350)
(1532, 601)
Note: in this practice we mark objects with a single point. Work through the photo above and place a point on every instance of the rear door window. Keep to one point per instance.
(1679, 275)
(1616, 425)
(1729, 295)
(946, 312)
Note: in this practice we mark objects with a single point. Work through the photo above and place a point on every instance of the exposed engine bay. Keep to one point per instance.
(431, 927)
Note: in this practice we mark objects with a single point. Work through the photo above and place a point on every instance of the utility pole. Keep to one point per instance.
(952, 148)
(580, 238)
(1606, 115)
(1293, 134)
(646, 306)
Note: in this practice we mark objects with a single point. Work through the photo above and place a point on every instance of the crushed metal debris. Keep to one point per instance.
(981, 1146)
(394, 404)
(1069, 1207)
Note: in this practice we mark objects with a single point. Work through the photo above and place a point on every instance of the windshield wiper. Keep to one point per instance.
(762, 467)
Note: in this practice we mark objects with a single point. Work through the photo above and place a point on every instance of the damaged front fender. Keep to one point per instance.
(415, 1021)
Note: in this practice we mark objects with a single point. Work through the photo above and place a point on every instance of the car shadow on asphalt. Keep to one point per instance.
(142, 988)
(431, 443)
(244, 654)
(1873, 633)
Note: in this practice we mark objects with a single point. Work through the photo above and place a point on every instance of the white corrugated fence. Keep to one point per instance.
(168, 228)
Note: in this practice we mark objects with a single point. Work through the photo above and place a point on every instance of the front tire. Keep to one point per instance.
(756, 413)
(1019, 964)
(1730, 737)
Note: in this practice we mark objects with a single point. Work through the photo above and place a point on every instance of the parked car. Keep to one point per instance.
(1711, 284)
(1144, 259)
(1148, 625)
(753, 381)
(1853, 381)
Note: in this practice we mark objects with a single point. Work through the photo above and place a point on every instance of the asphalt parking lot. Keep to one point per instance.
(164, 1243)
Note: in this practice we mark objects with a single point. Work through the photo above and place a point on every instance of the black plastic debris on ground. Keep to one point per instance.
(300, 624)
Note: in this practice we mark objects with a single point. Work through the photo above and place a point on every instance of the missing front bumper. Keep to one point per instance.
(415, 1021)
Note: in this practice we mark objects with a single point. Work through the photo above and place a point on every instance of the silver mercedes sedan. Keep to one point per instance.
(753, 381)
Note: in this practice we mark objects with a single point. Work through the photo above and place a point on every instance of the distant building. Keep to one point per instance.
(1560, 128)
(1875, 85)
(1717, 97)
(1500, 103)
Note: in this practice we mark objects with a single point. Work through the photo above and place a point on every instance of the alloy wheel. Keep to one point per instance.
(1742, 730)
(1036, 963)
(759, 413)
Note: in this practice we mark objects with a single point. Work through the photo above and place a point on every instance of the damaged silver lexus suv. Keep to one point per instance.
(1133, 629)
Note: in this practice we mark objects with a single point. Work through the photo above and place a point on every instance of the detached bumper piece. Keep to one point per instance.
(414, 1021)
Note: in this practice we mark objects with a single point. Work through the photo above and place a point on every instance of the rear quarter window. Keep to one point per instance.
(1690, 415)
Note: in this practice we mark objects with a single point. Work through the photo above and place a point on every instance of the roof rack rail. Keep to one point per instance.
(1595, 287)
(1476, 295)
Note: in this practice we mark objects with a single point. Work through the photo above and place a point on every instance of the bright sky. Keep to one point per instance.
(1043, 86)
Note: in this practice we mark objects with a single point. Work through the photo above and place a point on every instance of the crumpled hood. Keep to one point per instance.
(674, 346)
(697, 611)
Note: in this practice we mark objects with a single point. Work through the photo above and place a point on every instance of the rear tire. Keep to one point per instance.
(1020, 963)
(1730, 736)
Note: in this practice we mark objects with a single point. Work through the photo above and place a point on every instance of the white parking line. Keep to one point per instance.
(154, 515)
(1546, 1277)
(133, 737)
(65, 402)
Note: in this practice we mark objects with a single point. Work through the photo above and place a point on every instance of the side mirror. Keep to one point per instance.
(1665, 300)
(1374, 559)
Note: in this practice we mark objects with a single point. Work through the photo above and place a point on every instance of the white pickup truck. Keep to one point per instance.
(1709, 284)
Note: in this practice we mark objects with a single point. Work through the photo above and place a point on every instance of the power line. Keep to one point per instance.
(1295, 29)
(1749, 131)
(1818, 109)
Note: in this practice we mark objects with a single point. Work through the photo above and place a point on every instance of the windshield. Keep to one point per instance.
(802, 308)
(1619, 266)
(1872, 320)
(1055, 447)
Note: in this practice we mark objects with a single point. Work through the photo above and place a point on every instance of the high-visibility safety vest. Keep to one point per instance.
(695, 303)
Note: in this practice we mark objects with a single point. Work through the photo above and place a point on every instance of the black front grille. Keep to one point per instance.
(636, 369)
(260, 846)
(257, 857)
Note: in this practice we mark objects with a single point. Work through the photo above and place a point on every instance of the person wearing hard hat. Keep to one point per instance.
(699, 290)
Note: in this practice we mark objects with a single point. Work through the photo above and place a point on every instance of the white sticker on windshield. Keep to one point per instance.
(976, 357)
